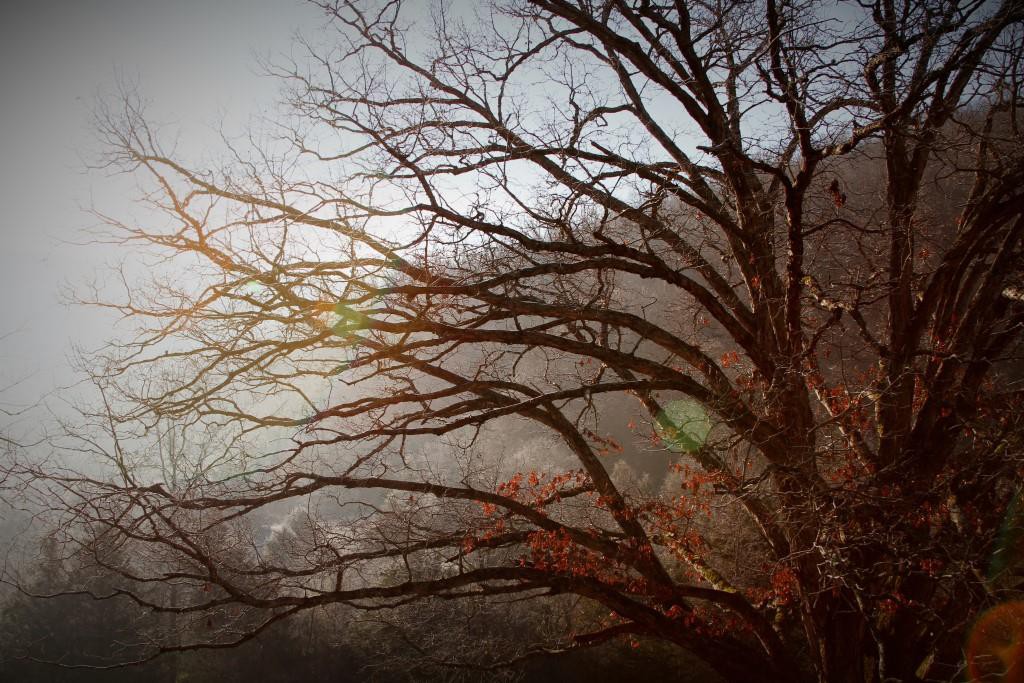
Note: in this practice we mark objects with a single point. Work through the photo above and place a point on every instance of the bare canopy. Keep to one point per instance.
(776, 245)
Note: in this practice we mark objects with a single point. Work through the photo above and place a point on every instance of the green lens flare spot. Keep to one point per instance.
(347, 319)
(683, 426)
(1007, 563)
(252, 288)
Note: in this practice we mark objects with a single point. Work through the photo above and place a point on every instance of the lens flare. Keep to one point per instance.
(683, 426)
(340, 319)
(995, 650)
(1007, 563)
(252, 288)
(347, 320)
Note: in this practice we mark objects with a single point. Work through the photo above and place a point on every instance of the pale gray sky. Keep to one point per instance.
(194, 60)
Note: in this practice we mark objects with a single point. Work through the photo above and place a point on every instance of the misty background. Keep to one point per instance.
(198, 66)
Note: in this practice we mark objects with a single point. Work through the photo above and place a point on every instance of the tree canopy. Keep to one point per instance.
(705, 312)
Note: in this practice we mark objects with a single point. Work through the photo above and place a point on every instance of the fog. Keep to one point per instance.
(535, 340)
(196, 63)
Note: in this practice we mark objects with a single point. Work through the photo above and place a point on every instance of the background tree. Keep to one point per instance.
(593, 230)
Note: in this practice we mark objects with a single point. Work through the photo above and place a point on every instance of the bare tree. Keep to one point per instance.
(780, 241)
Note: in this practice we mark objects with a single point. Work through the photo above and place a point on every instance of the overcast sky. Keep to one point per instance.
(195, 60)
